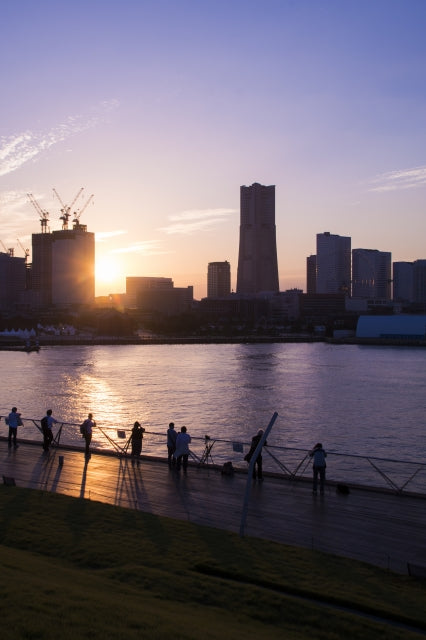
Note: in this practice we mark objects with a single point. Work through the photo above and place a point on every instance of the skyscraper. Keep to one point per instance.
(257, 256)
(333, 263)
(371, 274)
(218, 279)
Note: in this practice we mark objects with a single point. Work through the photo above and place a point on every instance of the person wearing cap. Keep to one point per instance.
(318, 456)
(257, 468)
(136, 440)
(171, 444)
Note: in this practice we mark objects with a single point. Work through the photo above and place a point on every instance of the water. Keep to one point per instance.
(354, 399)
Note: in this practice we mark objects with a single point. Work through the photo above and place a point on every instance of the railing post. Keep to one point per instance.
(250, 472)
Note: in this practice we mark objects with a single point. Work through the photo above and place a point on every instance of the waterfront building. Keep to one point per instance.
(333, 264)
(419, 282)
(12, 281)
(311, 274)
(393, 327)
(63, 268)
(158, 295)
(403, 280)
(257, 256)
(371, 274)
(218, 279)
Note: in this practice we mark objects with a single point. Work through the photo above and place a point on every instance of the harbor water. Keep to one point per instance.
(356, 400)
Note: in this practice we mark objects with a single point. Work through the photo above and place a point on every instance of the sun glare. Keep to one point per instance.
(107, 271)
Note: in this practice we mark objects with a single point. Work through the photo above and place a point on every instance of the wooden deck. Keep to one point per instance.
(380, 528)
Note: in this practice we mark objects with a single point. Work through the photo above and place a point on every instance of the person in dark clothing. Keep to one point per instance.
(257, 469)
(319, 465)
(47, 424)
(87, 430)
(136, 440)
(171, 444)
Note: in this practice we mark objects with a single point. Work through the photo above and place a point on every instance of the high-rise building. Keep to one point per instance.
(419, 282)
(12, 281)
(371, 274)
(333, 263)
(218, 279)
(257, 256)
(311, 274)
(403, 281)
(63, 267)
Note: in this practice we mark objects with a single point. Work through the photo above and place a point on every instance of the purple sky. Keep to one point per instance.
(162, 109)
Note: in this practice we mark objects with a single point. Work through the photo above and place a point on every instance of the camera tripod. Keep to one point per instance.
(207, 451)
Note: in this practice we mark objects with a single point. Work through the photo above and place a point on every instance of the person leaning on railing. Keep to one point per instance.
(319, 465)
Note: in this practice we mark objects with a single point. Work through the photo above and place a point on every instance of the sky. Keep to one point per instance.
(162, 109)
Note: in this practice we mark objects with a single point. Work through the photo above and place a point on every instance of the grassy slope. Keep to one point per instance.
(74, 569)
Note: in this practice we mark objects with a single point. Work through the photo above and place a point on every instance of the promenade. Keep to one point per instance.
(378, 527)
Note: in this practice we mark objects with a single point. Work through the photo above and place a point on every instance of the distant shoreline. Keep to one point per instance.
(13, 344)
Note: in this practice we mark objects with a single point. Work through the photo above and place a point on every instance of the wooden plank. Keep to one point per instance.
(377, 527)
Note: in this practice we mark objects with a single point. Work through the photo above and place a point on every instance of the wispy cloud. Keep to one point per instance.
(402, 179)
(102, 236)
(191, 221)
(16, 213)
(16, 150)
(146, 248)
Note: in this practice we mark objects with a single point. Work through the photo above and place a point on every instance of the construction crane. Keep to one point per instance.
(44, 216)
(26, 251)
(9, 252)
(66, 209)
(77, 215)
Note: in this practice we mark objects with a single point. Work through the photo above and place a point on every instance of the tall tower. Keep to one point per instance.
(257, 257)
(333, 263)
(218, 279)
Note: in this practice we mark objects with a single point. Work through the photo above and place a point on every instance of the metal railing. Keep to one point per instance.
(399, 476)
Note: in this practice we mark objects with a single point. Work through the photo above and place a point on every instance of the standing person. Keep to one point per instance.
(136, 440)
(258, 463)
(46, 424)
(14, 421)
(171, 443)
(182, 449)
(86, 431)
(319, 455)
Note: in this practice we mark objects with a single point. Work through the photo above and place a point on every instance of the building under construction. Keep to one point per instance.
(63, 262)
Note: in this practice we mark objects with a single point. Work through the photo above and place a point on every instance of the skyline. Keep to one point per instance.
(163, 110)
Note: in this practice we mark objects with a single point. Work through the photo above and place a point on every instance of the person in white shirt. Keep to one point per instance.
(182, 449)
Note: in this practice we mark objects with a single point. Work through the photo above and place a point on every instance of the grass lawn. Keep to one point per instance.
(72, 568)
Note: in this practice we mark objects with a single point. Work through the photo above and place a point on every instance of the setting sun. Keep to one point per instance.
(108, 275)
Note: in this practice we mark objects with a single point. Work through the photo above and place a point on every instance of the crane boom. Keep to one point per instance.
(44, 215)
(26, 251)
(66, 209)
(78, 214)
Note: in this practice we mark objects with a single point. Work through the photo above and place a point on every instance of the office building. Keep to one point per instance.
(419, 282)
(311, 274)
(158, 295)
(333, 264)
(371, 274)
(257, 256)
(12, 281)
(218, 279)
(403, 282)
